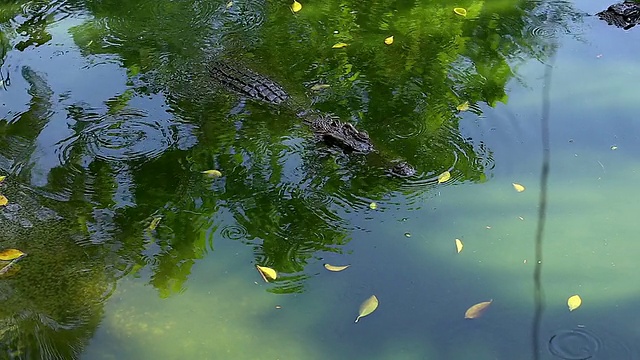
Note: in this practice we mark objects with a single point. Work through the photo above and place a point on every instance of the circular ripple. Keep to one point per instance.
(402, 128)
(233, 232)
(126, 137)
(575, 344)
(581, 343)
(546, 31)
(316, 198)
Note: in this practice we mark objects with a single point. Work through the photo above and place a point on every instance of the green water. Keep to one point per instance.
(108, 117)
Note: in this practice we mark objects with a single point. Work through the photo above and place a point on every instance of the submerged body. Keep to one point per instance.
(327, 127)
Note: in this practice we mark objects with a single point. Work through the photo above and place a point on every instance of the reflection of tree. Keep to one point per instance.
(287, 195)
(23, 132)
(52, 304)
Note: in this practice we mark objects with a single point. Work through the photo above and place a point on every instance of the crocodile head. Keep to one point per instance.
(402, 169)
(623, 15)
(344, 135)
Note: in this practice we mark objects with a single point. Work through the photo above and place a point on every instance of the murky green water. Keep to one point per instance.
(108, 116)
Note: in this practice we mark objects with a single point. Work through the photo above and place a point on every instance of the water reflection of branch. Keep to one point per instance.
(542, 209)
(8, 266)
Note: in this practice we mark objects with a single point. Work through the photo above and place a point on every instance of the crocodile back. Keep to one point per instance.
(248, 83)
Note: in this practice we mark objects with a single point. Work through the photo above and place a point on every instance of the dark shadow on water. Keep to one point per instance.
(538, 292)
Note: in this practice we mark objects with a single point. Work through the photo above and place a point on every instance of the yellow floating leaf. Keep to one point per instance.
(155, 222)
(318, 87)
(229, 4)
(2, 178)
(296, 6)
(3, 200)
(574, 302)
(445, 176)
(339, 45)
(518, 187)
(463, 107)
(212, 173)
(389, 40)
(267, 273)
(459, 245)
(335, 268)
(476, 310)
(11, 254)
(460, 11)
(373, 206)
(367, 307)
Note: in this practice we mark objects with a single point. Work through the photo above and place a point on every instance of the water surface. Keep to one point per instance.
(108, 118)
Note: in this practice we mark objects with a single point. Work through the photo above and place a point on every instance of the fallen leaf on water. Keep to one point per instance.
(445, 176)
(318, 87)
(389, 40)
(11, 254)
(339, 45)
(613, 147)
(459, 245)
(463, 107)
(296, 6)
(574, 302)
(267, 273)
(212, 173)
(367, 307)
(460, 11)
(155, 222)
(373, 206)
(518, 187)
(229, 4)
(335, 268)
(2, 178)
(476, 310)
(3, 200)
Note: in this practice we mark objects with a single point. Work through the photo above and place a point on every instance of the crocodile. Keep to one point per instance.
(327, 127)
(624, 15)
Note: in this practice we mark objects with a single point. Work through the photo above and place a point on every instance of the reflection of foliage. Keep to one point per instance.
(287, 195)
(36, 28)
(414, 84)
(51, 306)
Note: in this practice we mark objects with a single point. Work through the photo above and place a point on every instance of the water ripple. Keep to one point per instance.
(234, 232)
(403, 128)
(575, 344)
(546, 30)
(127, 136)
(461, 154)
(581, 343)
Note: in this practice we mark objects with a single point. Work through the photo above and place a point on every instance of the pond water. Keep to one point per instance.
(108, 117)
